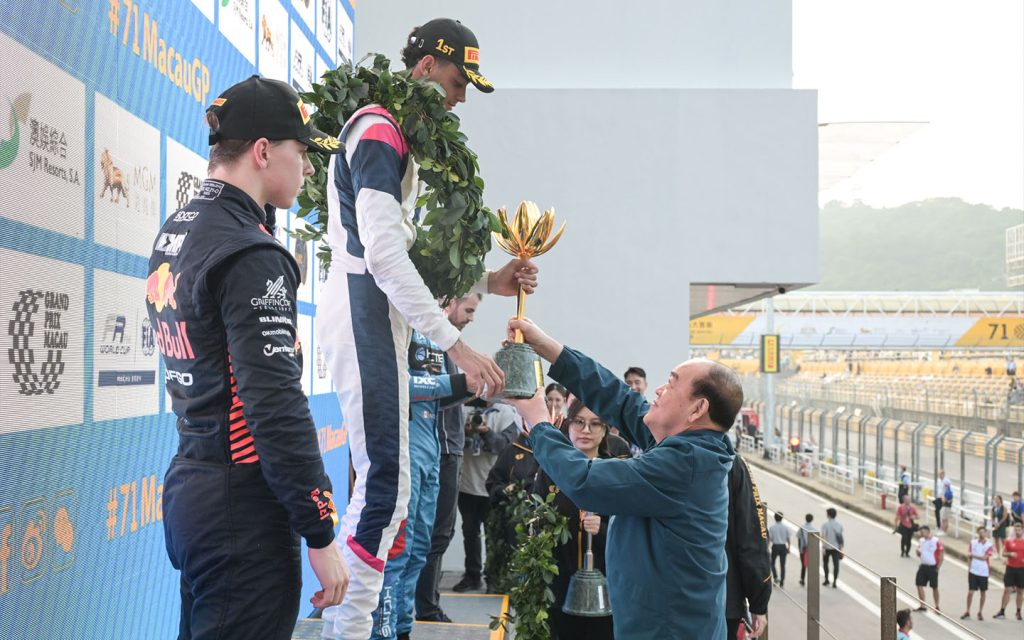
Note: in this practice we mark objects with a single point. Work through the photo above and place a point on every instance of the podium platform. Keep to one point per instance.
(470, 613)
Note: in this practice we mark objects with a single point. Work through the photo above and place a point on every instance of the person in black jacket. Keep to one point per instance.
(247, 479)
(749, 580)
(589, 434)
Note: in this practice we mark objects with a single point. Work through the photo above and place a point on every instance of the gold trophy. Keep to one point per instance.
(526, 237)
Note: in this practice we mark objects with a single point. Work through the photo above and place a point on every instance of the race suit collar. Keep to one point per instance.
(239, 203)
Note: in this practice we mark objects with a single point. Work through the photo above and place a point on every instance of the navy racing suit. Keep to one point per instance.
(247, 479)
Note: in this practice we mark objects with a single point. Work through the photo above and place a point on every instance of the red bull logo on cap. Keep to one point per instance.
(160, 287)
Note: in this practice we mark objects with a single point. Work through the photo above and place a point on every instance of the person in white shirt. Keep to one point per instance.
(801, 541)
(778, 536)
(929, 549)
(832, 535)
(977, 577)
(940, 490)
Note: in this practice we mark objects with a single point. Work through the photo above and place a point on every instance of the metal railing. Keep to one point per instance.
(830, 434)
(888, 594)
(837, 476)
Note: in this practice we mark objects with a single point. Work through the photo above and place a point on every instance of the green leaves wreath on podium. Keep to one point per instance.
(455, 234)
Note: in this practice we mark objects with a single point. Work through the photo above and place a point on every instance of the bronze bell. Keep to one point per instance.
(588, 590)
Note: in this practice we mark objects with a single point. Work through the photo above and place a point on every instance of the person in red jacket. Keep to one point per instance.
(1013, 581)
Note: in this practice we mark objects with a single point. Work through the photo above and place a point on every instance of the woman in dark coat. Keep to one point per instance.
(590, 435)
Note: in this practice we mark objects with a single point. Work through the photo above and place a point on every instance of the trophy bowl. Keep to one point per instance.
(526, 236)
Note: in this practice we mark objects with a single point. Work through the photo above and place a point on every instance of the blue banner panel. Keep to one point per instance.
(102, 136)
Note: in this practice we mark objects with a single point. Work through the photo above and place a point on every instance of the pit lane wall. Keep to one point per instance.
(101, 137)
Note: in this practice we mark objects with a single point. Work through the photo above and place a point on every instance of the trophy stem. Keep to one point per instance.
(520, 312)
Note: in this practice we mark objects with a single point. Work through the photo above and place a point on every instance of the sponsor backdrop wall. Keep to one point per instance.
(101, 137)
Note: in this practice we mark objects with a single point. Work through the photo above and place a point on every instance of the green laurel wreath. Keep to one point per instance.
(455, 235)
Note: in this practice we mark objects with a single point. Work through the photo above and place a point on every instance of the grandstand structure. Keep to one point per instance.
(932, 357)
(890, 303)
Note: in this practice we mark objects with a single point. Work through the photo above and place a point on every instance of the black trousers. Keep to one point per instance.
(906, 537)
(567, 627)
(239, 559)
(832, 554)
(428, 594)
(779, 551)
(938, 511)
(473, 510)
(732, 627)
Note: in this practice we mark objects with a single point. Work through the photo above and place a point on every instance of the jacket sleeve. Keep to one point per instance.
(374, 152)
(645, 486)
(503, 427)
(427, 387)
(499, 476)
(266, 363)
(604, 394)
(750, 538)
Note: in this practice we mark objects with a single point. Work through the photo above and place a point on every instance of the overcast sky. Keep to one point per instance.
(958, 64)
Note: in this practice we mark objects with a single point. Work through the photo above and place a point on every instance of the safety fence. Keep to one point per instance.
(890, 595)
(877, 447)
(985, 402)
(968, 511)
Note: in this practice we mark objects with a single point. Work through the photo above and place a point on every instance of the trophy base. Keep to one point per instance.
(522, 367)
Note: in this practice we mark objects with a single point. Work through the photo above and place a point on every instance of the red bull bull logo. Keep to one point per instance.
(160, 288)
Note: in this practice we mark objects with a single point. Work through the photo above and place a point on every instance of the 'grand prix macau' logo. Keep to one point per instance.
(22, 331)
(19, 114)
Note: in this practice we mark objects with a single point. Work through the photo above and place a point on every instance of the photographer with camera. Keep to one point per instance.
(489, 429)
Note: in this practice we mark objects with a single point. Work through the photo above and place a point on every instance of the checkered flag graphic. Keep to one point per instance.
(21, 355)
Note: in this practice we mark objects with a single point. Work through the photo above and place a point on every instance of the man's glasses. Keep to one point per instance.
(579, 424)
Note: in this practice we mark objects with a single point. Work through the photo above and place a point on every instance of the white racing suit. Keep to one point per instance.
(372, 295)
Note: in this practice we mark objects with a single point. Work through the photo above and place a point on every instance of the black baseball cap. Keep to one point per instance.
(453, 41)
(264, 108)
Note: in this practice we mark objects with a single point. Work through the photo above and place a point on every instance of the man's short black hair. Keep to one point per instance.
(722, 387)
(636, 371)
(809, 517)
(778, 517)
(924, 527)
(830, 512)
(902, 617)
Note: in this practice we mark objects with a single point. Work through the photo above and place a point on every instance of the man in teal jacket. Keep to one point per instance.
(666, 543)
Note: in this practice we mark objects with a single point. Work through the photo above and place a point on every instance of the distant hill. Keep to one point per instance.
(930, 245)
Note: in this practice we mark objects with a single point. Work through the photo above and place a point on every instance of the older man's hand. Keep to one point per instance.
(533, 410)
(545, 346)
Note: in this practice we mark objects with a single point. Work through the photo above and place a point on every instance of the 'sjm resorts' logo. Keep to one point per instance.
(48, 144)
(276, 297)
(24, 339)
(19, 116)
